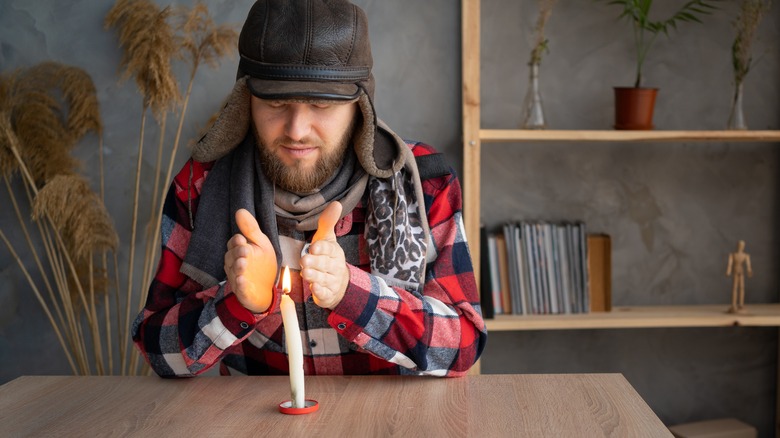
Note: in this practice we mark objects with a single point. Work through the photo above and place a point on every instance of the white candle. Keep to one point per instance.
(292, 335)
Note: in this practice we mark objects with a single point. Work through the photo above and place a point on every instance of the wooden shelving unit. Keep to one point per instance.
(474, 137)
(622, 317)
(710, 315)
(523, 135)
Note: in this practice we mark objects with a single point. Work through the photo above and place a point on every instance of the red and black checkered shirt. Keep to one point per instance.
(376, 329)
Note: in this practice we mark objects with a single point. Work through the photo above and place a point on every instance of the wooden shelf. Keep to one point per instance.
(711, 315)
(507, 135)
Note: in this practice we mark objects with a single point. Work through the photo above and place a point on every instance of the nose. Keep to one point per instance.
(299, 121)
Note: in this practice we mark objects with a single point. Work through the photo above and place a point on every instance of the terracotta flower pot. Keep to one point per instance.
(634, 107)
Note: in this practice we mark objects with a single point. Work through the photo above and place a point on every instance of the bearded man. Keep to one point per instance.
(299, 171)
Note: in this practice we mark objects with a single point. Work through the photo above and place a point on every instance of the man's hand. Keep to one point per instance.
(325, 267)
(250, 264)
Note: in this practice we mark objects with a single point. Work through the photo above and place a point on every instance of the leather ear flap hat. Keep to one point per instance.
(316, 48)
(306, 50)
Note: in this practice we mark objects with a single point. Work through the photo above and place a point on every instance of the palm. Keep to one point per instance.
(257, 280)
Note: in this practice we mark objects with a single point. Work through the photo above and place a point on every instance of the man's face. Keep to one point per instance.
(302, 144)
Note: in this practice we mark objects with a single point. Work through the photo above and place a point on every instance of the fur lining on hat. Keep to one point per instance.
(379, 150)
(230, 128)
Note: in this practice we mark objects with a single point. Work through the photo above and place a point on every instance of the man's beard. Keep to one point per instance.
(296, 178)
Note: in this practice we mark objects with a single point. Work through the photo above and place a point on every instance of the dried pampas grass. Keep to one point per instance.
(202, 39)
(44, 111)
(35, 100)
(751, 12)
(8, 163)
(78, 93)
(44, 140)
(78, 214)
(149, 45)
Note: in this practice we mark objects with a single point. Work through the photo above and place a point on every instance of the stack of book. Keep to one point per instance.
(543, 267)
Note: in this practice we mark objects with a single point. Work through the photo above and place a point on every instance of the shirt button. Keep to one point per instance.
(244, 325)
(342, 326)
(313, 343)
(310, 299)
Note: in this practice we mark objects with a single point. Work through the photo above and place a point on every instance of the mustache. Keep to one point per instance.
(285, 141)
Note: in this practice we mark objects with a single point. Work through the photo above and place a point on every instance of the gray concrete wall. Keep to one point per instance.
(674, 210)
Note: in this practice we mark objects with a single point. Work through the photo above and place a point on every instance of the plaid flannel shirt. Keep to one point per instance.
(376, 329)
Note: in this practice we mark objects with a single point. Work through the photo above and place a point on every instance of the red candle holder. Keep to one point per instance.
(309, 406)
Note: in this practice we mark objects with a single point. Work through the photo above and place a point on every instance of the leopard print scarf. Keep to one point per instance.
(397, 242)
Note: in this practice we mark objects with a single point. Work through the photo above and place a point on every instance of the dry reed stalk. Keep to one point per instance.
(751, 12)
(40, 300)
(34, 252)
(92, 308)
(58, 271)
(122, 335)
(149, 236)
(67, 321)
(202, 41)
(107, 317)
(133, 227)
(540, 42)
(69, 270)
(42, 136)
(148, 43)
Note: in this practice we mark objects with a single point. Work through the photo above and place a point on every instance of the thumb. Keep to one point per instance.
(327, 222)
(249, 227)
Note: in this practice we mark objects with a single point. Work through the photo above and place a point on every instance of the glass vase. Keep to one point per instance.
(737, 116)
(533, 112)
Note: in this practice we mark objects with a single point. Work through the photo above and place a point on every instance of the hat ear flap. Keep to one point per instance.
(379, 150)
(230, 128)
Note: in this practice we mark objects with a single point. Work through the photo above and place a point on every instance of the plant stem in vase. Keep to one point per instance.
(750, 14)
(533, 112)
(737, 116)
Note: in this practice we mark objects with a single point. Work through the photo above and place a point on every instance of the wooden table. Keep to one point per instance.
(563, 405)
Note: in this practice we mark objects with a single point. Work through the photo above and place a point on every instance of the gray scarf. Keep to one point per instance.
(396, 225)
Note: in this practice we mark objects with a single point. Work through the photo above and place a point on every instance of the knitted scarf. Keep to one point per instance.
(396, 228)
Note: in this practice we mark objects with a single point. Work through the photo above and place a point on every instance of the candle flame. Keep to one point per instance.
(286, 280)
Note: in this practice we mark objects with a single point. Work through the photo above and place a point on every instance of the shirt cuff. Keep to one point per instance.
(237, 318)
(357, 306)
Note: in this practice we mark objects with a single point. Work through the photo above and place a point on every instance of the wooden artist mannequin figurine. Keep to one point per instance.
(738, 261)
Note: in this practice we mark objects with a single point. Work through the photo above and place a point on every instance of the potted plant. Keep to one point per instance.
(634, 105)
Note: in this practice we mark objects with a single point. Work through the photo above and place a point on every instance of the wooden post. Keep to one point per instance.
(470, 38)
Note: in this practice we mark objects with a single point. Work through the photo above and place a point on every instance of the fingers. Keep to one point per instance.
(236, 240)
(237, 248)
(325, 287)
(324, 268)
(248, 225)
(327, 222)
(324, 280)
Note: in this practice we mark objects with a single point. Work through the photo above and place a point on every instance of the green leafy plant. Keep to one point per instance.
(646, 31)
